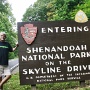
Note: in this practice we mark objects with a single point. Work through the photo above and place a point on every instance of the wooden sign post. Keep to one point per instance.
(53, 51)
(82, 83)
(33, 87)
(81, 18)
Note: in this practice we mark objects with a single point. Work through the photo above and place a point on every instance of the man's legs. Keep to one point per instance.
(1, 72)
(4, 80)
(6, 76)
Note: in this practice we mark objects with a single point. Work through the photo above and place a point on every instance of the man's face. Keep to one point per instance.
(2, 37)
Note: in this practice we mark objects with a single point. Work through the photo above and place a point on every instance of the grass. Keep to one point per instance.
(14, 84)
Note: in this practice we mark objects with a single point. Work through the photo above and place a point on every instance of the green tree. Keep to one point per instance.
(60, 9)
(51, 10)
(85, 6)
(7, 21)
(37, 12)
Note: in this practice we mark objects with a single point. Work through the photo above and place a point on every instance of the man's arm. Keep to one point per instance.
(15, 47)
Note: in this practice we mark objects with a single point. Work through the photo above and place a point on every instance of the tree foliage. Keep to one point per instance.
(43, 10)
(6, 22)
(37, 12)
(85, 6)
(60, 9)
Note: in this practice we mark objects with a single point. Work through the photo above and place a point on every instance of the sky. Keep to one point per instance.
(19, 7)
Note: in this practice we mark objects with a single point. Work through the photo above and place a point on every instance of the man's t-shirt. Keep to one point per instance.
(5, 48)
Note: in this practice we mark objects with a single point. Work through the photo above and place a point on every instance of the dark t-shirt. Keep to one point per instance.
(5, 48)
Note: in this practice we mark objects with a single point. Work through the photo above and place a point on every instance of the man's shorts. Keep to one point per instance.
(4, 70)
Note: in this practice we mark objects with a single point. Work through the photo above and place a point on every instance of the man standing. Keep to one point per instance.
(5, 48)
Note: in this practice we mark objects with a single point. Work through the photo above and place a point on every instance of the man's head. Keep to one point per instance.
(2, 36)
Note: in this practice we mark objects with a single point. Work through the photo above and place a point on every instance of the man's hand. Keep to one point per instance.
(17, 45)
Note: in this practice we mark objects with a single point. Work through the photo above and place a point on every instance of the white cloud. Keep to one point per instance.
(19, 7)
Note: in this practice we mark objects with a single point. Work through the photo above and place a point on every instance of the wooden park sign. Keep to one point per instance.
(53, 51)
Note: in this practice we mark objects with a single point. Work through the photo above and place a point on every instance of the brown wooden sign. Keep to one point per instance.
(53, 51)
